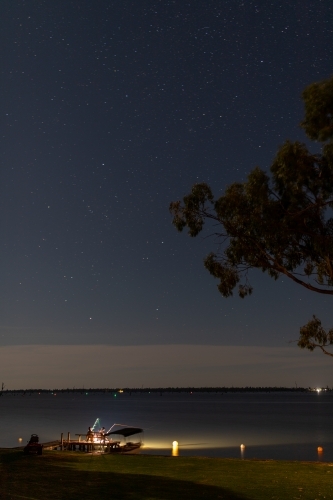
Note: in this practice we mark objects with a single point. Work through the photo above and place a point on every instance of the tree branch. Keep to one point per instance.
(324, 350)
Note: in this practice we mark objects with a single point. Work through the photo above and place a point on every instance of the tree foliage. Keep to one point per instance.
(313, 335)
(281, 223)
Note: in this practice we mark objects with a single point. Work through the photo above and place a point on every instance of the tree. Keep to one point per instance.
(282, 223)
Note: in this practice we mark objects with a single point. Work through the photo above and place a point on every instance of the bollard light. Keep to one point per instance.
(175, 449)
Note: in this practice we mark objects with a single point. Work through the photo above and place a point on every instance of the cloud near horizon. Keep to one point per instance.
(94, 366)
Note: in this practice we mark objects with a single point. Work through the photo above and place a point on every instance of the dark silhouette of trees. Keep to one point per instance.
(281, 223)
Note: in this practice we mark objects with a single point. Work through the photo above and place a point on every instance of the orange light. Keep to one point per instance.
(175, 451)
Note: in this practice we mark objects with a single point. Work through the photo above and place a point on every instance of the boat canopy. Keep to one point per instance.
(126, 431)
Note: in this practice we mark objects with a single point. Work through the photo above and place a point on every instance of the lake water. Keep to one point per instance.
(288, 426)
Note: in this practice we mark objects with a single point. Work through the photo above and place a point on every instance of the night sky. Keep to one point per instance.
(110, 111)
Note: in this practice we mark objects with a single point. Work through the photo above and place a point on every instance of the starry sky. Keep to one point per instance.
(110, 111)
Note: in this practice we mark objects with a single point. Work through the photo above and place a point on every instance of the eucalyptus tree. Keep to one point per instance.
(279, 222)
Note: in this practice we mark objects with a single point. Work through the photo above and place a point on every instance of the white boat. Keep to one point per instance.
(115, 439)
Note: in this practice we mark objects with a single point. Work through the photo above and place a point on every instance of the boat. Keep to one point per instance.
(127, 446)
(115, 439)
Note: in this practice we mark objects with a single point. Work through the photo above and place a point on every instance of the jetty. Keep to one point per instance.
(97, 442)
(82, 444)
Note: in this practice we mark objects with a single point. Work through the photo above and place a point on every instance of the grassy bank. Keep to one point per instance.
(70, 475)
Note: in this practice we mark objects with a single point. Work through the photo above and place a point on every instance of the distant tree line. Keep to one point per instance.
(158, 390)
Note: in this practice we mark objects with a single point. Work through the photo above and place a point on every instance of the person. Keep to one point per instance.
(102, 434)
(90, 435)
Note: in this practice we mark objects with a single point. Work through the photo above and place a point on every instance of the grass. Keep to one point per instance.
(73, 475)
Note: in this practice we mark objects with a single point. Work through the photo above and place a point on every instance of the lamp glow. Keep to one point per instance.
(175, 451)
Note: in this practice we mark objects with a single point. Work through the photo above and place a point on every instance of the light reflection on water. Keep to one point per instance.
(270, 425)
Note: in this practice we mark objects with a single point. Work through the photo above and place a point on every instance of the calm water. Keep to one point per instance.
(273, 426)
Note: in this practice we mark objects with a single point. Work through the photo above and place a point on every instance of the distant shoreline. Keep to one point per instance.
(162, 390)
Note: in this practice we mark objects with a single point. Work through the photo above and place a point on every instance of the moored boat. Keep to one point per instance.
(125, 446)
(115, 439)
